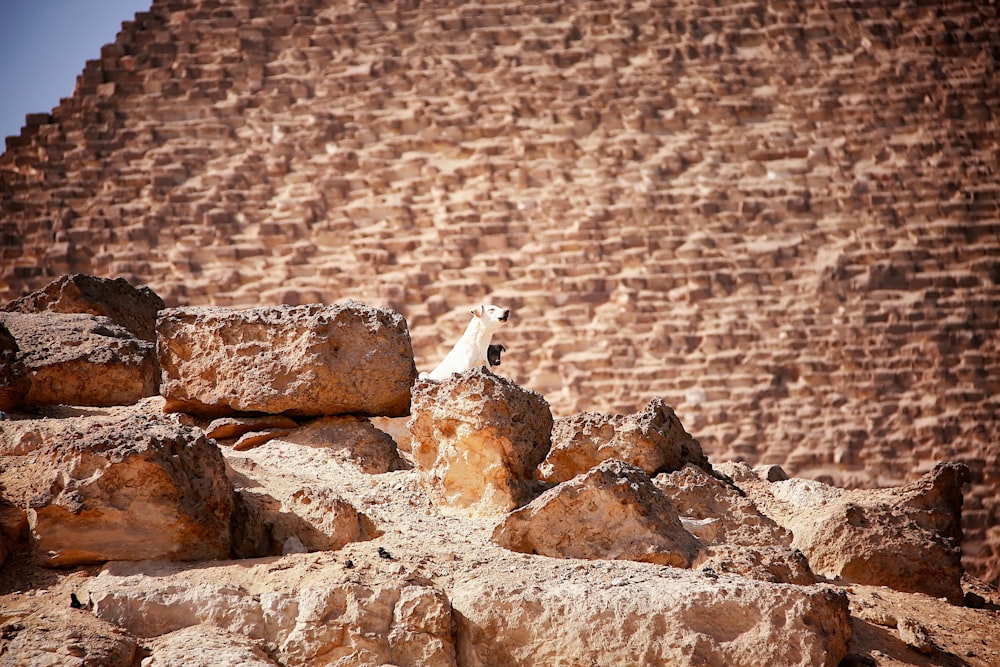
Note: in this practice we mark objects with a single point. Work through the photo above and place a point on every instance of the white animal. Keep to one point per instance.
(470, 350)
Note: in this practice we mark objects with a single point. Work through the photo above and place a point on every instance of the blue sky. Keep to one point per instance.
(44, 45)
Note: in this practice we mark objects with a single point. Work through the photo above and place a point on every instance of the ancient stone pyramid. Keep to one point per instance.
(780, 216)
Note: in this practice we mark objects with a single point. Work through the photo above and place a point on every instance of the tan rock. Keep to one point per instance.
(14, 382)
(614, 511)
(120, 488)
(478, 438)
(907, 538)
(44, 630)
(252, 439)
(319, 519)
(133, 308)
(234, 427)
(76, 359)
(205, 646)
(676, 618)
(653, 440)
(354, 439)
(299, 360)
(742, 540)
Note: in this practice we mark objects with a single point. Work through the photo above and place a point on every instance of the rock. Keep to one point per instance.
(907, 538)
(46, 631)
(319, 519)
(326, 619)
(14, 382)
(653, 440)
(130, 307)
(478, 438)
(120, 488)
(76, 359)
(355, 440)
(614, 511)
(205, 646)
(298, 360)
(742, 541)
(234, 427)
(913, 634)
(771, 472)
(253, 439)
(677, 618)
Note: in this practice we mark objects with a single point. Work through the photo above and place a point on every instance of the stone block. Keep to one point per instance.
(298, 360)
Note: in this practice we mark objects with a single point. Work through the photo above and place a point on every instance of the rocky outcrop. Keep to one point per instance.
(14, 383)
(652, 439)
(133, 308)
(353, 440)
(305, 360)
(478, 437)
(906, 538)
(78, 359)
(126, 488)
(655, 617)
(614, 511)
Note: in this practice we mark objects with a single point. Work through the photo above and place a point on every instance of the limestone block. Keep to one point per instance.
(614, 511)
(318, 518)
(105, 488)
(653, 440)
(907, 538)
(354, 439)
(205, 646)
(78, 359)
(677, 618)
(299, 360)
(744, 540)
(478, 438)
(133, 308)
(14, 383)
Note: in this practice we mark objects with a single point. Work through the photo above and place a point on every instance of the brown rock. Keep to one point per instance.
(14, 383)
(120, 488)
(76, 359)
(205, 646)
(127, 306)
(234, 427)
(744, 541)
(299, 360)
(614, 511)
(354, 439)
(252, 439)
(907, 538)
(478, 438)
(653, 440)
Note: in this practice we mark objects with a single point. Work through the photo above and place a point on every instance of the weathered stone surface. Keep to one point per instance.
(614, 511)
(354, 439)
(14, 382)
(478, 438)
(907, 538)
(319, 519)
(133, 308)
(741, 539)
(252, 439)
(118, 488)
(676, 618)
(205, 646)
(43, 631)
(299, 360)
(234, 427)
(653, 440)
(327, 620)
(77, 359)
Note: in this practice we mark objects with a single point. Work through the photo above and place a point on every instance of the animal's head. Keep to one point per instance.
(491, 316)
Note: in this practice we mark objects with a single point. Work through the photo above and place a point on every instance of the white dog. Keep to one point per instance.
(471, 349)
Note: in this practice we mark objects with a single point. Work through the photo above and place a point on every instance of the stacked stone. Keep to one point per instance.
(781, 218)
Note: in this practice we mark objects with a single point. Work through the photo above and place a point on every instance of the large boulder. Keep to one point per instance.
(300, 360)
(614, 511)
(133, 308)
(14, 382)
(665, 617)
(102, 488)
(652, 439)
(478, 438)
(77, 359)
(736, 537)
(907, 538)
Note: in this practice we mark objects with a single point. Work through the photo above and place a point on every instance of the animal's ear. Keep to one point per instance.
(478, 311)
